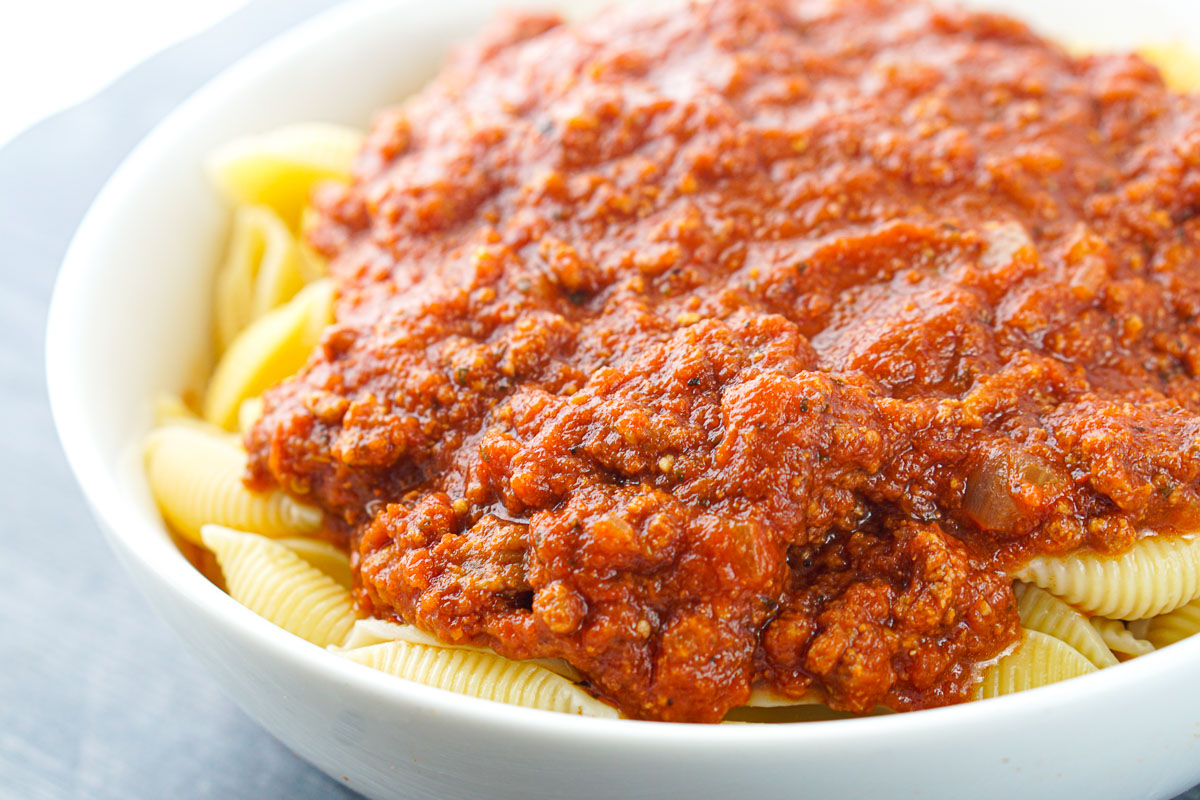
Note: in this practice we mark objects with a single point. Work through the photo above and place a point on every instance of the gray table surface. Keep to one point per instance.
(97, 698)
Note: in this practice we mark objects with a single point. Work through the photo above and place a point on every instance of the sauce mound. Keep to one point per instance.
(752, 344)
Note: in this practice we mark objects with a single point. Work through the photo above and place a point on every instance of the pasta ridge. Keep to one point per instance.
(1158, 575)
(196, 479)
(262, 270)
(280, 167)
(274, 346)
(1043, 612)
(1178, 624)
(1039, 660)
(480, 674)
(278, 585)
(322, 555)
(1119, 638)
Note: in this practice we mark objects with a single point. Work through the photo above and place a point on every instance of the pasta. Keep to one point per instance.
(268, 351)
(263, 269)
(480, 674)
(372, 631)
(1120, 639)
(1177, 625)
(1045, 613)
(171, 410)
(1179, 64)
(1038, 661)
(1158, 575)
(279, 169)
(277, 584)
(196, 478)
(323, 556)
(249, 410)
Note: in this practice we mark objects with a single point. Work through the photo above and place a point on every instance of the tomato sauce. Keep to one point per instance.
(752, 344)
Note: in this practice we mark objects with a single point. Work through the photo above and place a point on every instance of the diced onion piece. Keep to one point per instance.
(988, 499)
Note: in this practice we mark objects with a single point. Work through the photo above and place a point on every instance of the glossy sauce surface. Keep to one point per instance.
(751, 343)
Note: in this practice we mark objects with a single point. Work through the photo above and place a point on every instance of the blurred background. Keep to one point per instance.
(98, 700)
(97, 697)
(52, 65)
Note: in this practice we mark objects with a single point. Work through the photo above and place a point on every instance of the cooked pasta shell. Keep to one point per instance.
(1159, 574)
(478, 674)
(196, 478)
(322, 555)
(1179, 64)
(270, 350)
(371, 631)
(1179, 624)
(168, 409)
(249, 411)
(1038, 661)
(263, 269)
(1119, 638)
(1043, 612)
(280, 586)
(280, 167)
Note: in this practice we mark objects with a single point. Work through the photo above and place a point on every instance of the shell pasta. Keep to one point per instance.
(196, 477)
(269, 350)
(1039, 660)
(480, 674)
(1158, 575)
(279, 169)
(1179, 624)
(1042, 612)
(1120, 640)
(263, 269)
(277, 584)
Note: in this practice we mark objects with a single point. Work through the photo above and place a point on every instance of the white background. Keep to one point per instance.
(54, 53)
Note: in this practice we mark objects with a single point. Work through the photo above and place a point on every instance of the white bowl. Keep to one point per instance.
(130, 318)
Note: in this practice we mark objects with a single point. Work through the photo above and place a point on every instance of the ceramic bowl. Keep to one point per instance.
(130, 318)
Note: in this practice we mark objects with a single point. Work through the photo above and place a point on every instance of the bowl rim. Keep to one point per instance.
(144, 540)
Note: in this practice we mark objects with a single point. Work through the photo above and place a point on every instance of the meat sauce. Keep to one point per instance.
(751, 344)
